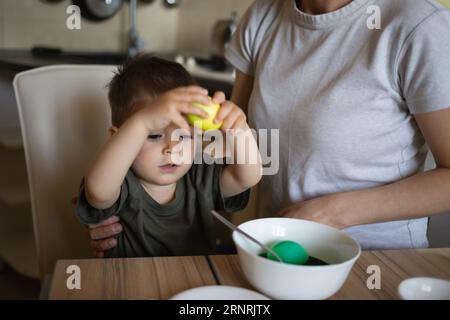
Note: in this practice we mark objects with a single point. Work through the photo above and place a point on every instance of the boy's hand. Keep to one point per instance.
(172, 106)
(232, 116)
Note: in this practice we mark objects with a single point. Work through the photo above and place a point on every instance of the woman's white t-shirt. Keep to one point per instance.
(343, 94)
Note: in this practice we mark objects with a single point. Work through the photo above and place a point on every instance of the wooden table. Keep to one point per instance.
(161, 278)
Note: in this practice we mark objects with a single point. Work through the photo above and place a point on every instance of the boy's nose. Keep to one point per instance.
(171, 147)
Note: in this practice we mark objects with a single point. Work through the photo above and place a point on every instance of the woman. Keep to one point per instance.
(355, 103)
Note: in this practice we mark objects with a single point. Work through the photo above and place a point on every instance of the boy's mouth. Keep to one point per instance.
(169, 168)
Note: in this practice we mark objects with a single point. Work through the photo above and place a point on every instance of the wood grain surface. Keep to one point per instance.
(395, 266)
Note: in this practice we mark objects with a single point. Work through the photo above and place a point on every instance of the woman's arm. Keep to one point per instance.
(423, 194)
(243, 87)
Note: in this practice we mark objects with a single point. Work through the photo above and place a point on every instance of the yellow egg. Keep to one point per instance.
(205, 123)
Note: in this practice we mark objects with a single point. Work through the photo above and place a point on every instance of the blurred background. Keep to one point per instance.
(33, 33)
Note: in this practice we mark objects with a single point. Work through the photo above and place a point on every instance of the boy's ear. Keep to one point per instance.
(112, 130)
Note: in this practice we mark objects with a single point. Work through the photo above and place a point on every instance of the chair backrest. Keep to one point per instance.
(64, 116)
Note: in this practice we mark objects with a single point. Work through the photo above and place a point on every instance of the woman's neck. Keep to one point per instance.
(161, 194)
(321, 6)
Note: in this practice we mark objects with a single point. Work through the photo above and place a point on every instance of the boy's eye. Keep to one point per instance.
(155, 136)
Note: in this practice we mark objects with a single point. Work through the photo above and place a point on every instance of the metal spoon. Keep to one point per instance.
(237, 229)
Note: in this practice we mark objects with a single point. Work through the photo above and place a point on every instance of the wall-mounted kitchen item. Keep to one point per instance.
(98, 10)
(52, 1)
(171, 3)
(135, 43)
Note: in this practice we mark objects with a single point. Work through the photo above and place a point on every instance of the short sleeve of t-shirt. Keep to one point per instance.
(207, 178)
(240, 51)
(424, 65)
(87, 214)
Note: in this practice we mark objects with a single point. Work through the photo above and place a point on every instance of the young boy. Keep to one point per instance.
(145, 172)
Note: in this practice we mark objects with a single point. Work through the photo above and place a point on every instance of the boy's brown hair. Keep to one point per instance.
(143, 76)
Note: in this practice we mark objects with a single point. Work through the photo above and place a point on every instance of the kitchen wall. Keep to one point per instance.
(197, 19)
(187, 28)
(26, 23)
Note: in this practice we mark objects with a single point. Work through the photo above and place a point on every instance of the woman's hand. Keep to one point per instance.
(102, 235)
(327, 210)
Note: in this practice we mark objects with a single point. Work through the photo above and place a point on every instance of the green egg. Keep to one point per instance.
(290, 252)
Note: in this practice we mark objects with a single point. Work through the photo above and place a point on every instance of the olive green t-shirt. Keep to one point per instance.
(184, 226)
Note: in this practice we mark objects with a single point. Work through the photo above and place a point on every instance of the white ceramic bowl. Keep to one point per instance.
(219, 293)
(424, 289)
(285, 281)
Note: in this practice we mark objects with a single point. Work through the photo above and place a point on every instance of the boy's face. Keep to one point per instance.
(166, 156)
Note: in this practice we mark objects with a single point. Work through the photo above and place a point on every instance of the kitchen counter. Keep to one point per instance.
(21, 60)
(15, 61)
